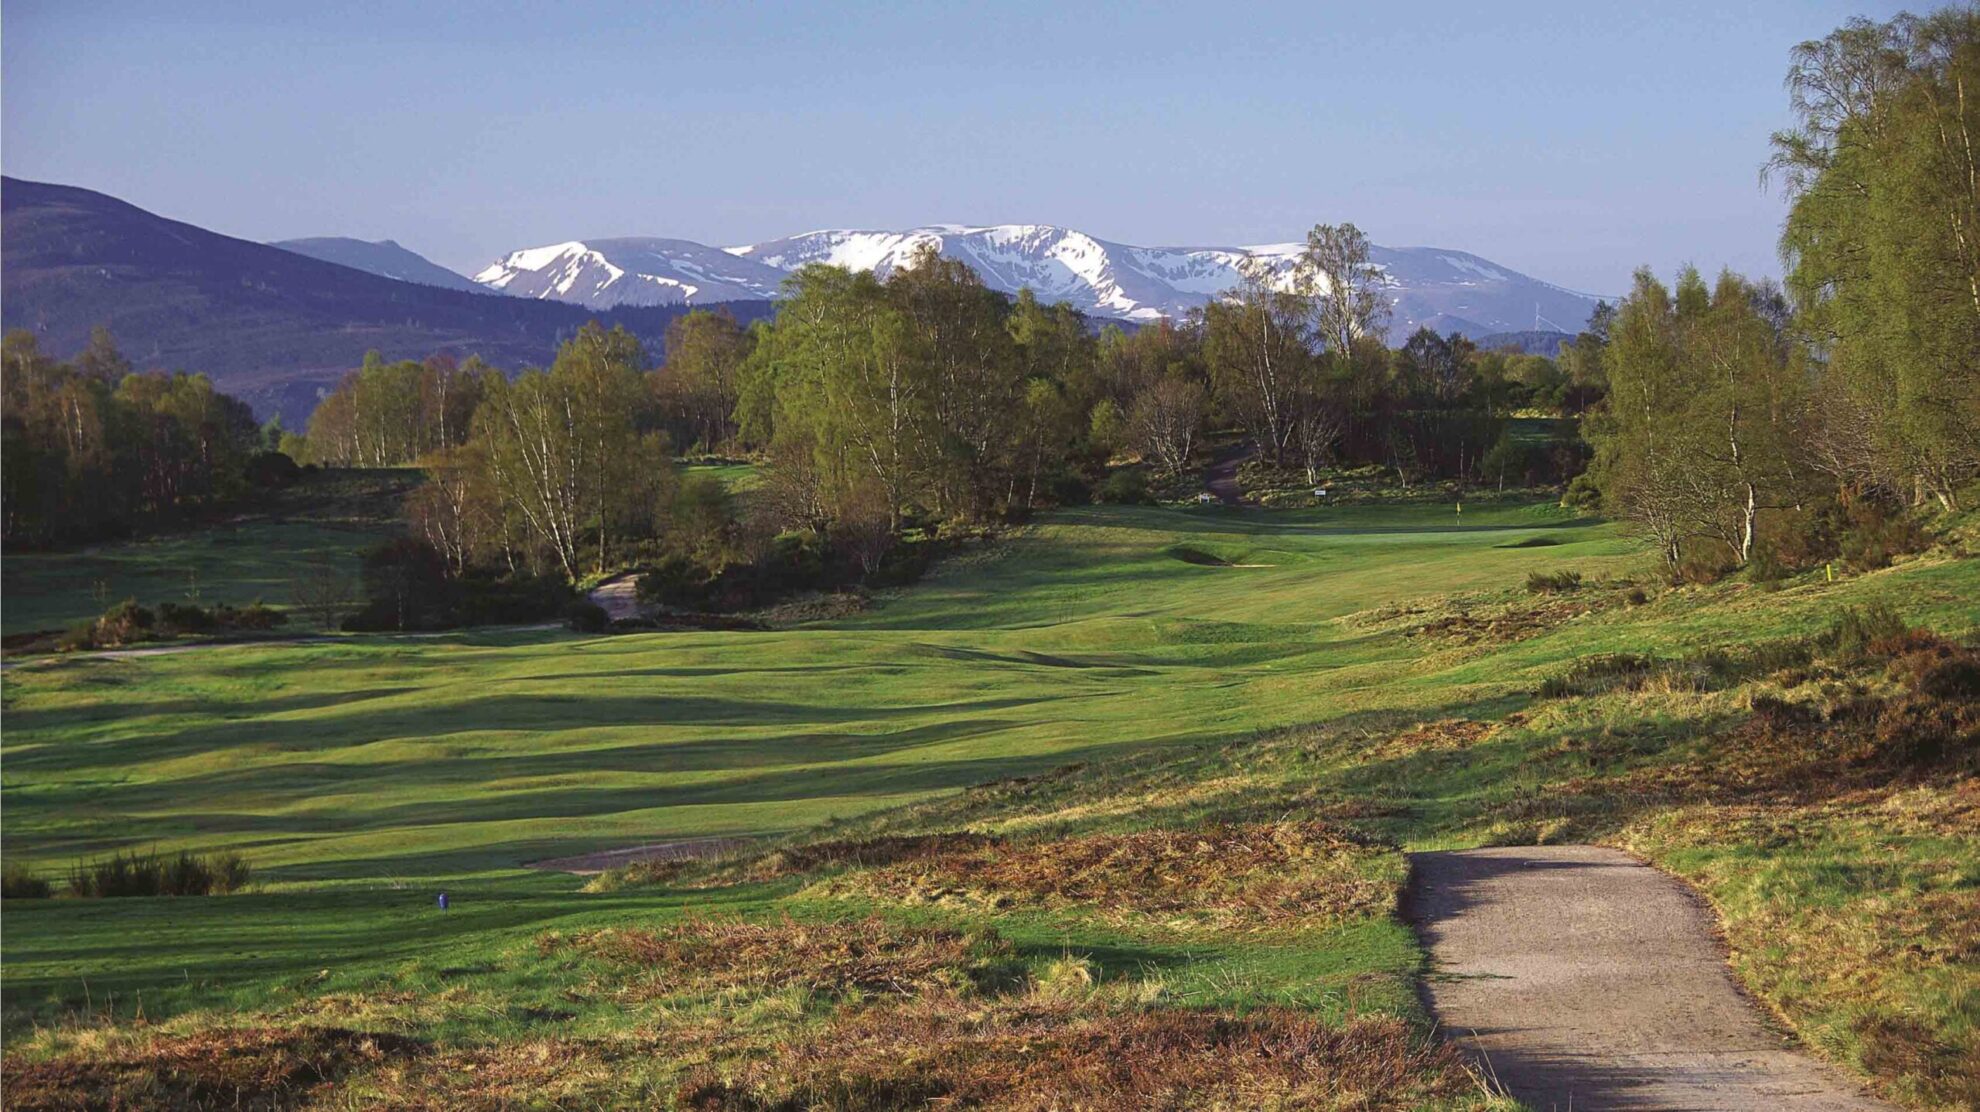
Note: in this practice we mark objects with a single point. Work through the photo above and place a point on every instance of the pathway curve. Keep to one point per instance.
(1587, 979)
(1220, 478)
(619, 596)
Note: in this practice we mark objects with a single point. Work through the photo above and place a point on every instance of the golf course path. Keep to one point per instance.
(1584, 978)
(1220, 478)
(619, 596)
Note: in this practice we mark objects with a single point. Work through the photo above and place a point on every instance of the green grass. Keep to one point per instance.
(363, 777)
(329, 517)
(737, 476)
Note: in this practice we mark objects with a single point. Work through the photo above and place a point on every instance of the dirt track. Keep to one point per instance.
(1220, 478)
(619, 596)
(1587, 979)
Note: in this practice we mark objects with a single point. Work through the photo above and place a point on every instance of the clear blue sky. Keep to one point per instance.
(1573, 141)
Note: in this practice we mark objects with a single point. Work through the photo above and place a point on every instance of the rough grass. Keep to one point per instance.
(1306, 874)
(1069, 698)
(1051, 1056)
(872, 956)
(250, 1068)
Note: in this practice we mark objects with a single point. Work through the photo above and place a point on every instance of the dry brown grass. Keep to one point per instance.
(1050, 1055)
(1499, 624)
(783, 861)
(222, 1068)
(537, 1073)
(710, 955)
(1230, 876)
(1447, 735)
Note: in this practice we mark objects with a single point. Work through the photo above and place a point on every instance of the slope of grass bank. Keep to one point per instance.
(1270, 731)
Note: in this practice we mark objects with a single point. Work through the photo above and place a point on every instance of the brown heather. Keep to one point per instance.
(1234, 876)
(233, 1068)
(1039, 1056)
(868, 955)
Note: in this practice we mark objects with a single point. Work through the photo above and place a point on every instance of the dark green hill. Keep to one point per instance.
(270, 326)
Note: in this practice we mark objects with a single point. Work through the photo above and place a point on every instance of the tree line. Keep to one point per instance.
(924, 397)
(90, 448)
(1748, 423)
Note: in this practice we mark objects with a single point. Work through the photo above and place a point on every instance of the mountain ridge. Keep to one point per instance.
(269, 325)
(1441, 288)
(385, 257)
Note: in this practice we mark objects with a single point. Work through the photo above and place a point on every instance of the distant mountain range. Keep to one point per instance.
(277, 323)
(271, 326)
(1444, 289)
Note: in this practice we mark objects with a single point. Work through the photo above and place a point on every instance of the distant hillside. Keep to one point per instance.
(269, 325)
(384, 258)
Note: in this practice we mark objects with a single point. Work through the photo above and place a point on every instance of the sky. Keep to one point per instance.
(1572, 141)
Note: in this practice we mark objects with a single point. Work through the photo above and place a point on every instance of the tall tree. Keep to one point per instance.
(1256, 342)
(705, 354)
(1883, 246)
(1349, 298)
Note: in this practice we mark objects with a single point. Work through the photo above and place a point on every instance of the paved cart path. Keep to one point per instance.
(1587, 979)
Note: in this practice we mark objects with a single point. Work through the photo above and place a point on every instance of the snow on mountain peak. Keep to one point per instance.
(1441, 288)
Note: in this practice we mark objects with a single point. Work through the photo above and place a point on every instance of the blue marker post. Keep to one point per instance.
(443, 901)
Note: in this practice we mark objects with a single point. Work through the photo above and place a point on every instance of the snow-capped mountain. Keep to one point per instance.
(1444, 289)
(640, 270)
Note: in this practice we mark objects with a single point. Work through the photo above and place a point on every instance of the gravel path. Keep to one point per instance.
(1587, 979)
(619, 596)
(1220, 478)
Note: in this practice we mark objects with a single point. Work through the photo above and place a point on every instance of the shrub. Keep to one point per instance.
(231, 872)
(18, 882)
(504, 599)
(184, 617)
(405, 587)
(80, 636)
(1553, 582)
(1873, 534)
(133, 874)
(1125, 487)
(675, 581)
(1857, 632)
(254, 616)
(271, 469)
(123, 624)
(586, 616)
(1583, 493)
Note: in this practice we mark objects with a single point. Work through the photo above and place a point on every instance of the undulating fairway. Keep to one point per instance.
(1151, 645)
(1102, 632)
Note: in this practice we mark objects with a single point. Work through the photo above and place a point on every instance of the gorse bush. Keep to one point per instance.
(135, 874)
